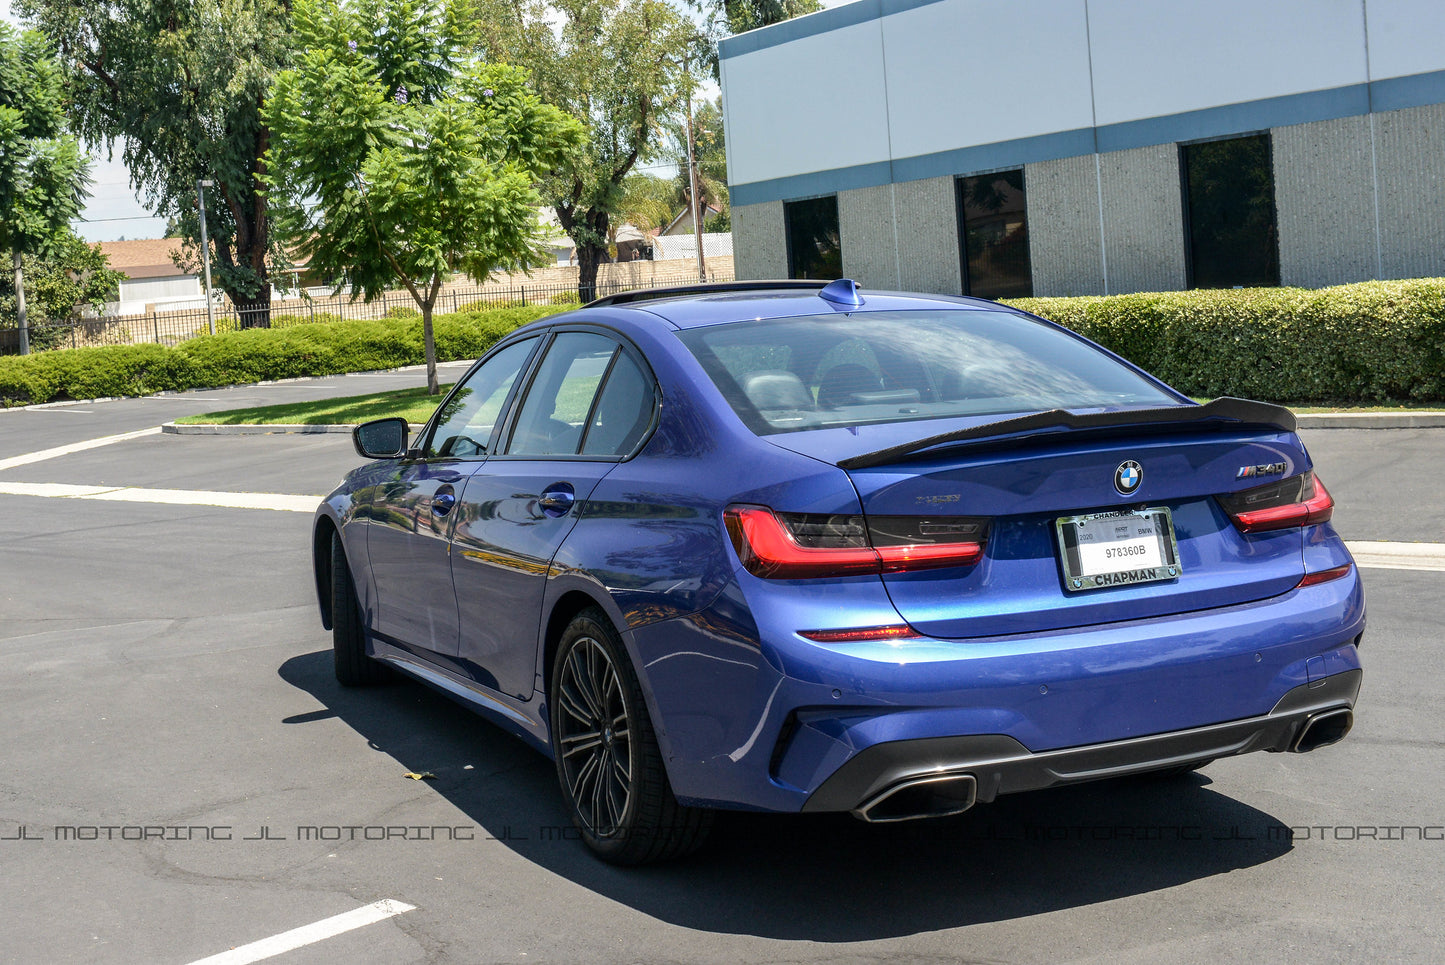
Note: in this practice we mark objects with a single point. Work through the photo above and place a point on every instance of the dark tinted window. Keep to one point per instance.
(623, 412)
(814, 249)
(784, 375)
(995, 235)
(1229, 210)
(469, 415)
(554, 414)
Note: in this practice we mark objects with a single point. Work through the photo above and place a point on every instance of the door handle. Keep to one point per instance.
(443, 501)
(557, 500)
(447, 476)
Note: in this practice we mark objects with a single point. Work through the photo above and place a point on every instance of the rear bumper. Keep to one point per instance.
(998, 764)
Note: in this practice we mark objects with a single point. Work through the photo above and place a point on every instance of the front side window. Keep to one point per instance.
(468, 417)
(814, 242)
(784, 375)
(995, 223)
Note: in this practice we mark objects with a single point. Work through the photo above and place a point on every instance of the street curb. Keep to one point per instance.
(1371, 420)
(272, 430)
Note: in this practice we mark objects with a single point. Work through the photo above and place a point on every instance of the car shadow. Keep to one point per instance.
(826, 878)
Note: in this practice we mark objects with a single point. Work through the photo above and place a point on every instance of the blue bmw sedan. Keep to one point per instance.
(798, 547)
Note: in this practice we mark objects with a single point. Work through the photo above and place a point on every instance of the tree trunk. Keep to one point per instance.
(256, 312)
(23, 332)
(430, 349)
(588, 258)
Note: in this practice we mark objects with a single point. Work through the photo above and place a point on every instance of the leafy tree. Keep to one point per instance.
(648, 202)
(710, 157)
(399, 156)
(178, 85)
(43, 172)
(72, 277)
(722, 18)
(620, 68)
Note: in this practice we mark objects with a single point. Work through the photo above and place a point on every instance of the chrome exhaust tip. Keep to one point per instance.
(934, 795)
(1322, 729)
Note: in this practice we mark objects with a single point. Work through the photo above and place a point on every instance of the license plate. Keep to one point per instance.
(1117, 549)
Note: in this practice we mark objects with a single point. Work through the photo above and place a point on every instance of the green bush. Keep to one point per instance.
(251, 355)
(1372, 342)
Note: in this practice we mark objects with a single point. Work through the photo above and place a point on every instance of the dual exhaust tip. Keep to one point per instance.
(938, 794)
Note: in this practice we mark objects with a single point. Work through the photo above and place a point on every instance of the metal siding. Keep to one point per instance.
(760, 242)
(1324, 202)
(1065, 248)
(1410, 151)
(1143, 219)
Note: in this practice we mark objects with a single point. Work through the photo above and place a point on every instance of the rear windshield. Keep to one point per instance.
(787, 375)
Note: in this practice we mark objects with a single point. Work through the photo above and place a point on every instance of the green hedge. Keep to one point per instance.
(1372, 342)
(251, 355)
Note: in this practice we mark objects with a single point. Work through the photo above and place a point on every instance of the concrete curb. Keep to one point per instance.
(1371, 420)
(273, 430)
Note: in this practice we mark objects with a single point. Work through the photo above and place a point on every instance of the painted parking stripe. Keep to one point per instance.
(45, 454)
(309, 934)
(176, 497)
(1398, 556)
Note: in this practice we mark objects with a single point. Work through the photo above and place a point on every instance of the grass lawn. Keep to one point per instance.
(413, 405)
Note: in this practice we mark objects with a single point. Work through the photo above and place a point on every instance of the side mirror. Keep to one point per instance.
(381, 438)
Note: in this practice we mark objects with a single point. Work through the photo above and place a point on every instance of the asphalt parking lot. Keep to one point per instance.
(181, 775)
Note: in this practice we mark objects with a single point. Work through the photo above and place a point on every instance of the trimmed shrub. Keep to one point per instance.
(1372, 342)
(251, 355)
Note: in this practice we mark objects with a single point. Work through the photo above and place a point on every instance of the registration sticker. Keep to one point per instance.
(1117, 549)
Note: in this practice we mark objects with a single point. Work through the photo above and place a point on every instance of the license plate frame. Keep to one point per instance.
(1091, 544)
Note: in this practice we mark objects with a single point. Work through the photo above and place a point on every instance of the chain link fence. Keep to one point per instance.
(173, 327)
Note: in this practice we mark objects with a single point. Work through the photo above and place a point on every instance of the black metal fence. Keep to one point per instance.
(173, 327)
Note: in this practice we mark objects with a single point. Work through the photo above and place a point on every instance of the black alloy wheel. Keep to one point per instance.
(608, 762)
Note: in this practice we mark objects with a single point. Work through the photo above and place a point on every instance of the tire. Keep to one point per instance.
(348, 637)
(601, 729)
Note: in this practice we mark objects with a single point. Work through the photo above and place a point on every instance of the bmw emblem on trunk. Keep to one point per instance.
(1128, 477)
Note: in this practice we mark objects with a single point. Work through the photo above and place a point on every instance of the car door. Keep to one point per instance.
(414, 513)
(590, 403)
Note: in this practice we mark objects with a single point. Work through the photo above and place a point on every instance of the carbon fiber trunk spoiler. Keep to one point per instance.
(1226, 413)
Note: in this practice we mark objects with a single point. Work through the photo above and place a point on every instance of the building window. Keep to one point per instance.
(994, 229)
(813, 247)
(1229, 219)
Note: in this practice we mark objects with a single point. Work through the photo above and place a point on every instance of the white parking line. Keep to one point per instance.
(44, 454)
(176, 497)
(1398, 556)
(309, 934)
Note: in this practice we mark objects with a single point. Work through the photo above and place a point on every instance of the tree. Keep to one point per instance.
(399, 156)
(43, 172)
(648, 202)
(723, 18)
(178, 85)
(71, 277)
(619, 68)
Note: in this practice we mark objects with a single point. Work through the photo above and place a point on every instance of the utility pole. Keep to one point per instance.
(206, 253)
(692, 183)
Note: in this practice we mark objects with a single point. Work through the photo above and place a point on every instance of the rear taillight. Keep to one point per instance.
(799, 546)
(1297, 501)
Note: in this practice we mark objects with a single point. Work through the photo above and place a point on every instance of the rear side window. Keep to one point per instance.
(783, 375)
(588, 397)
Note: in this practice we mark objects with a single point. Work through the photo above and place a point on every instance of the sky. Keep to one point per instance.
(113, 210)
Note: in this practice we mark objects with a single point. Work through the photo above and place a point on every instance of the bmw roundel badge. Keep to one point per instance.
(1128, 477)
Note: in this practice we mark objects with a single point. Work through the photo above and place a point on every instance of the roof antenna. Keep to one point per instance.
(843, 293)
